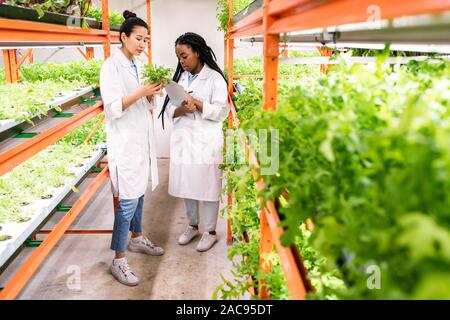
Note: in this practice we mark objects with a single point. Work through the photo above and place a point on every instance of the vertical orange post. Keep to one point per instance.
(149, 22)
(225, 52)
(7, 65)
(105, 27)
(11, 65)
(30, 57)
(265, 247)
(271, 51)
(285, 51)
(90, 53)
(230, 51)
(14, 65)
(325, 52)
(229, 47)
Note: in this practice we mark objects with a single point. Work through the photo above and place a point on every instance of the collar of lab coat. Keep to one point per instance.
(204, 74)
(122, 58)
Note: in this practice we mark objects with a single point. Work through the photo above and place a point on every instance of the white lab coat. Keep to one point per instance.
(196, 144)
(130, 134)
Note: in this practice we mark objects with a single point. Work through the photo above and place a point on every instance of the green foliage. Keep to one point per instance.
(305, 73)
(157, 74)
(223, 10)
(243, 213)
(23, 101)
(365, 154)
(115, 17)
(78, 136)
(32, 181)
(2, 76)
(78, 7)
(243, 216)
(41, 83)
(395, 53)
(87, 73)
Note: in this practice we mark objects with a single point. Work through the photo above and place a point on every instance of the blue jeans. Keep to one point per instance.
(128, 217)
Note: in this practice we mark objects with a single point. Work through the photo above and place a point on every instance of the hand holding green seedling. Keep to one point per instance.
(157, 75)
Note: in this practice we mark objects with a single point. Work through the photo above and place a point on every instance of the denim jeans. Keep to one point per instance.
(128, 217)
(211, 209)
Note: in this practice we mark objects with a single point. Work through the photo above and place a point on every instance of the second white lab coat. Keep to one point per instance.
(130, 133)
(196, 144)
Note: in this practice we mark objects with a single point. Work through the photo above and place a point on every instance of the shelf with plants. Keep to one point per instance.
(70, 129)
(244, 213)
(31, 192)
(247, 276)
(75, 13)
(346, 155)
(115, 18)
(83, 13)
(48, 86)
(241, 8)
(54, 12)
(36, 26)
(355, 156)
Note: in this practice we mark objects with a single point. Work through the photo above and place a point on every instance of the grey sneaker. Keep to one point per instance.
(188, 235)
(145, 246)
(206, 242)
(122, 272)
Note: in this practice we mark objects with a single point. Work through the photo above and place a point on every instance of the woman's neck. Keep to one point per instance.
(197, 69)
(127, 53)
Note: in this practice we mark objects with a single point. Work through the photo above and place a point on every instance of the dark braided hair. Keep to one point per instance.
(206, 54)
(131, 21)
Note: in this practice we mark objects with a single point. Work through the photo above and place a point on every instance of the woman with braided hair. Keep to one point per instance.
(197, 137)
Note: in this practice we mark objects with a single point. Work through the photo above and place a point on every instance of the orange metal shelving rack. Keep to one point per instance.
(281, 16)
(25, 31)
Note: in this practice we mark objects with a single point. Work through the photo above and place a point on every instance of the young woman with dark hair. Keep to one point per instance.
(130, 142)
(197, 137)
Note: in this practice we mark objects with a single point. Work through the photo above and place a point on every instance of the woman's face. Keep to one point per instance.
(188, 58)
(137, 41)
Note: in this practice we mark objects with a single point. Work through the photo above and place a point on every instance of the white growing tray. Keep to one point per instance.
(19, 232)
(66, 97)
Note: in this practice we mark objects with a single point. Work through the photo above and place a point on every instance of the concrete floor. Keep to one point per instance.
(78, 267)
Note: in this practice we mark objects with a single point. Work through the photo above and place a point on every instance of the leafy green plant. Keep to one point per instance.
(365, 154)
(305, 73)
(2, 76)
(80, 7)
(395, 53)
(23, 101)
(223, 12)
(83, 72)
(157, 74)
(32, 181)
(115, 17)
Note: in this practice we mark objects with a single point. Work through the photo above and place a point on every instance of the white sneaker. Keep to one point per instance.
(206, 242)
(188, 235)
(122, 272)
(143, 245)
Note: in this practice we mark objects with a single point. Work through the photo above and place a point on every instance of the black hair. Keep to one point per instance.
(206, 55)
(131, 21)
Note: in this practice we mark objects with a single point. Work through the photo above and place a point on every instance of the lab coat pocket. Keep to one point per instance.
(131, 156)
